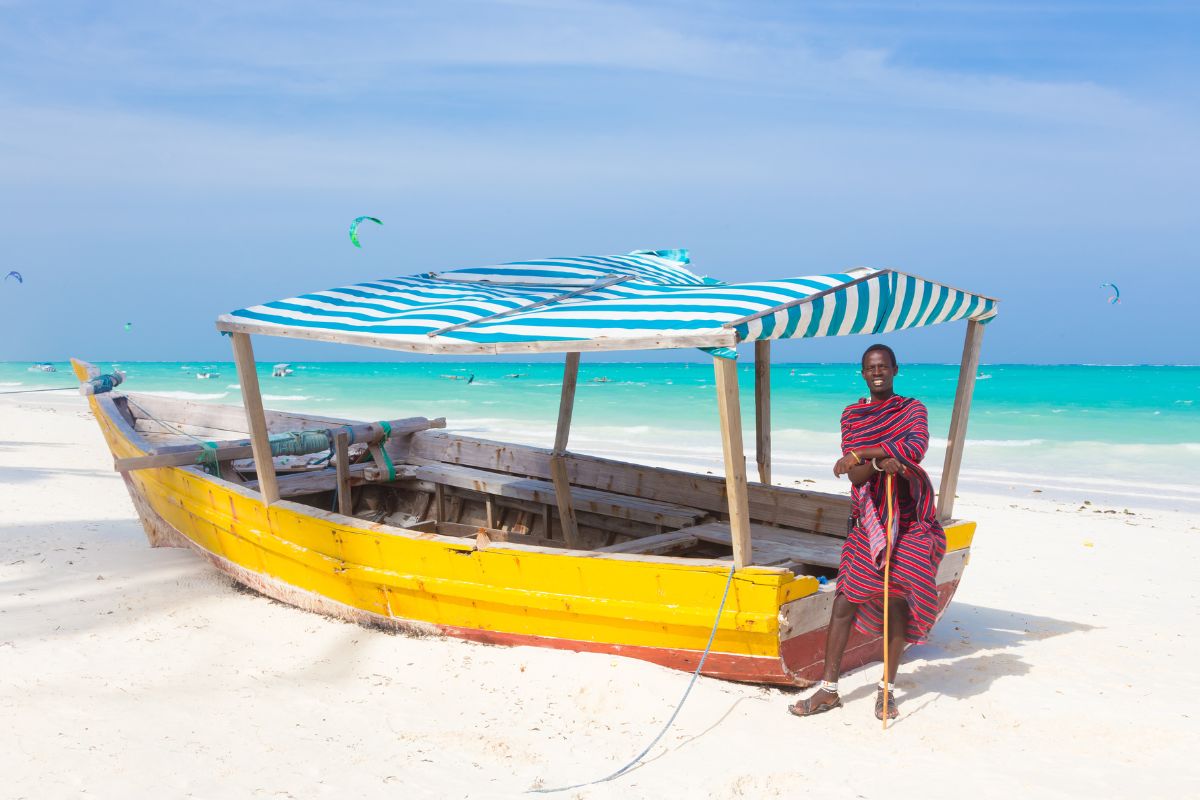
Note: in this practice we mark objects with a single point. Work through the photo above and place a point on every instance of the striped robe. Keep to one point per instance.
(900, 426)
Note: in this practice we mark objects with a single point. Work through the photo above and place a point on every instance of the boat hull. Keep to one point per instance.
(656, 608)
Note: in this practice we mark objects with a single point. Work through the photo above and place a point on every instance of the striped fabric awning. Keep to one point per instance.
(641, 301)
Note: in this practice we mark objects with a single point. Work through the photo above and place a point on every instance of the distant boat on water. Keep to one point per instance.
(282, 371)
(43, 366)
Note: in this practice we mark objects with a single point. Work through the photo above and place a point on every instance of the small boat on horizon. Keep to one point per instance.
(282, 371)
(43, 366)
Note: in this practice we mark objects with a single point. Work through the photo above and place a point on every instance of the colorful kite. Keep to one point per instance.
(15, 274)
(1116, 298)
(128, 326)
(354, 228)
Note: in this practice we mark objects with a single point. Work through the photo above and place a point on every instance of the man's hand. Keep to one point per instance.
(892, 467)
(844, 465)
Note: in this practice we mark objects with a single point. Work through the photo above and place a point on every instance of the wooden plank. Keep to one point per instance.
(485, 537)
(728, 404)
(311, 481)
(264, 466)
(657, 341)
(558, 468)
(510, 311)
(776, 545)
(654, 545)
(228, 418)
(341, 457)
(815, 511)
(535, 490)
(187, 454)
(972, 344)
(762, 409)
(323, 480)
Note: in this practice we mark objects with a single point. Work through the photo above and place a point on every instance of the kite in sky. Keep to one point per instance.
(1116, 298)
(128, 326)
(354, 228)
(15, 274)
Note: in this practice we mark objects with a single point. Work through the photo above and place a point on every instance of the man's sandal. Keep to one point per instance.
(893, 712)
(805, 707)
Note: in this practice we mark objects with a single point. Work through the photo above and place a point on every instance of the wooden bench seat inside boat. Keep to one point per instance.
(659, 544)
(775, 546)
(608, 504)
(818, 512)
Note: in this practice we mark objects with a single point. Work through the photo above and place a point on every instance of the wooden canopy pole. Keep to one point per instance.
(762, 409)
(735, 459)
(558, 464)
(243, 357)
(958, 419)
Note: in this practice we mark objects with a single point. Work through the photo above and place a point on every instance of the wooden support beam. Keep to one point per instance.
(341, 457)
(183, 455)
(958, 419)
(558, 465)
(728, 403)
(762, 409)
(243, 357)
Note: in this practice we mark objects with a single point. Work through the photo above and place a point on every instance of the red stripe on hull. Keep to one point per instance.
(804, 654)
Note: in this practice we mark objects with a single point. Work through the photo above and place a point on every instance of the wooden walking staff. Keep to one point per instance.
(887, 611)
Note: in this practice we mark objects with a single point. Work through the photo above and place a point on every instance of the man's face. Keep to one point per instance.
(878, 371)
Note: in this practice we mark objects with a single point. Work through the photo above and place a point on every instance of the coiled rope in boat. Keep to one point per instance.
(299, 443)
(711, 636)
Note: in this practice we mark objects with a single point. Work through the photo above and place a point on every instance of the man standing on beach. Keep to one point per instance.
(882, 435)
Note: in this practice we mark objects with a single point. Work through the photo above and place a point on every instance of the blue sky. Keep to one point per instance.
(164, 162)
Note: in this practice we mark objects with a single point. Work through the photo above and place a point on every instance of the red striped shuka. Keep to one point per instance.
(900, 426)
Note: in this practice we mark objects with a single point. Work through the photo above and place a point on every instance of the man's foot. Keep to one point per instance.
(892, 711)
(818, 702)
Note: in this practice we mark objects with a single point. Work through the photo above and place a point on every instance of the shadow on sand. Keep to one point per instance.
(13, 475)
(969, 649)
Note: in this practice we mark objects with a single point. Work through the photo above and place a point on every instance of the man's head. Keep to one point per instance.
(879, 368)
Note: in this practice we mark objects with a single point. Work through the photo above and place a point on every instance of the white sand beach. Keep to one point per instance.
(126, 671)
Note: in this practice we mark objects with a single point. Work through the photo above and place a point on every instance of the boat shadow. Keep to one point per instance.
(14, 475)
(968, 650)
(14, 445)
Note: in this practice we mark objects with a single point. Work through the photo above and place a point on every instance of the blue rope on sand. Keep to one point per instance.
(712, 635)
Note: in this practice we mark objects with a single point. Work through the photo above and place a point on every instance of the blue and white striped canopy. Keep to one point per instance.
(641, 301)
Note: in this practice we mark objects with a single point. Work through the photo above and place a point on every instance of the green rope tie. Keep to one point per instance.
(387, 460)
(208, 458)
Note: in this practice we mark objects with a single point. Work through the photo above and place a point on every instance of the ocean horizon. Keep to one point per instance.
(1113, 435)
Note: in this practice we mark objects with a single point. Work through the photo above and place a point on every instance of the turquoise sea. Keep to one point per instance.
(1111, 434)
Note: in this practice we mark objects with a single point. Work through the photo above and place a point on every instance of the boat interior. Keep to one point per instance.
(432, 480)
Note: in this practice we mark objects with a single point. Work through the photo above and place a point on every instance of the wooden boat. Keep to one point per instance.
(444, 534)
